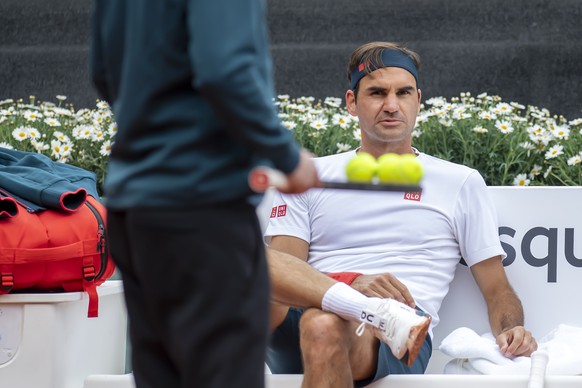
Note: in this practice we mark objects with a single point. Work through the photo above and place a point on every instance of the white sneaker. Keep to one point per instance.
(400, 326)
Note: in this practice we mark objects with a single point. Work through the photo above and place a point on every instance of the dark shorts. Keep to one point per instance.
(284, 354)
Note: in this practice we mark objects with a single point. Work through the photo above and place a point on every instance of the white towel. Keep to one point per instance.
(475, 354)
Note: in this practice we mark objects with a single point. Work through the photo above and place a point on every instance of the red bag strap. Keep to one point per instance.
(26, 255)
(90, 287)
(85, 249)
(6, 278)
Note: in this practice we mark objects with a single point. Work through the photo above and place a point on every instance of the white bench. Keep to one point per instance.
(541, 228)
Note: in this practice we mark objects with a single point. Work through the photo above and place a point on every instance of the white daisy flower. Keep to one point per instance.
(98, 136)
(439, 112)
(575, 122)
(548, 172)
(31, 115)
(83, 131)
(502, 108)
(480, 129)
(61, 97)
(521, 180)
(39, 146)
(289, 124)
(357, 135)
(504, 127)
(516, 105)
(112, 129)
(20, 133)
(33, 133)
(83, 113)
(56, 149)
(436, 101)
(51, 122)
(319, 124)
(561, 132)
(6, 145)
(105, 149)
(574, 160)
(445, 122)
(545, 138)
(300, 108)
(63, 112)
(67, 149)
(535, 130)
(460, 115)
(554, 151)
(97, 119)
(61, 136)
(102, 105)
(341, 120)
(535, 171)
(333, 102)
(341, 147)
(486, 115)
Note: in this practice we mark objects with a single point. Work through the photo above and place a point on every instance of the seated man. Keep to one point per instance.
(295, 283)
(386, 245)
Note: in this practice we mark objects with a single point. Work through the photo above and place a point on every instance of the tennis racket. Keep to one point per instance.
(261, 178)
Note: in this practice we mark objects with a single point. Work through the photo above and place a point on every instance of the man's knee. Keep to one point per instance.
(321, 332)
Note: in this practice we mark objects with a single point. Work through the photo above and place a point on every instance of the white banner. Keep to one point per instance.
(541, 231)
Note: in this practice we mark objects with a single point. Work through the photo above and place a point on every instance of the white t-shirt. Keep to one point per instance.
(419, 238)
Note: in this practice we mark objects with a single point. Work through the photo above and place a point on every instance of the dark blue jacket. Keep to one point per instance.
(40, 183)
(191, 88)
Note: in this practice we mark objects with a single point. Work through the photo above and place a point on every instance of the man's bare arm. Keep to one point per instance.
(293, 281)
(504, 308)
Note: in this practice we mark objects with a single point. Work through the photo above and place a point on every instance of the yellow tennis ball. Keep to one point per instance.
(361, 168)
(412, 170)
(390, 169)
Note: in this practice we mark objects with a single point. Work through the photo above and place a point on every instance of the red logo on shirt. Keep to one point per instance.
(412, 196)
(281, 210)
(273, 212)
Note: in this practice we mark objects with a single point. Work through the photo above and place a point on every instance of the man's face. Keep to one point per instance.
(387, 105)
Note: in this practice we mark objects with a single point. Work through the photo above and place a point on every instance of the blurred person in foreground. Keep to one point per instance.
(191, 89)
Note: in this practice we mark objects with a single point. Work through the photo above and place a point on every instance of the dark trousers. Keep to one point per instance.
(197, 294)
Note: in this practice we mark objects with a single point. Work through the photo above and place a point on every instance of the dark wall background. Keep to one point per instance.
(527, 51)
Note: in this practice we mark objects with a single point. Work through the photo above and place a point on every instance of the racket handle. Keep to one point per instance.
(261, 178)
(537, 373)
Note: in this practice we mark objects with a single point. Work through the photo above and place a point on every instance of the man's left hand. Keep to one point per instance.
(516, 341)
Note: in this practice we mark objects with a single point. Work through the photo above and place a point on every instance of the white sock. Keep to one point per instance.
(346, 302)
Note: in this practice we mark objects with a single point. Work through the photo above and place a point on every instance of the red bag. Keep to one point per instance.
(54, 251)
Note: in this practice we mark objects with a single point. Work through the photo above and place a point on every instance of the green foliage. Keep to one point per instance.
(508, 143)
(82, 138)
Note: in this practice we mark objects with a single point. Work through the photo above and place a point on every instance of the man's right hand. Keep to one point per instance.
(383, 285)
(304, 177)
